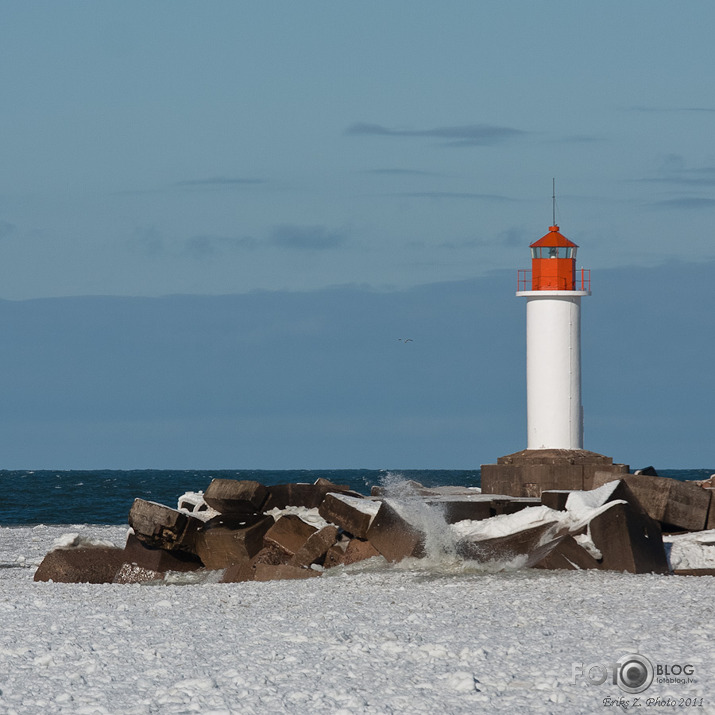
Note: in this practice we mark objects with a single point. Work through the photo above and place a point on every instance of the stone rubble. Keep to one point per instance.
(315, 527)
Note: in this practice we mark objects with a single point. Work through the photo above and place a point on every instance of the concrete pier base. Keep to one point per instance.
(531, 471)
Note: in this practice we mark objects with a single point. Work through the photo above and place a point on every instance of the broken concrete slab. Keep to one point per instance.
(322, 482)
(472, 507)
(281, 572)
(224, 542)
(510, 505)
(568, 555)
(676, 505)
(393, 536)
(162, 527)
(246, 570)
(288, 534)
(316, 546)
(233, 496)
(86, 564)
(505, 548)
(335, 554)
(308, 495)
(348, 552)
(694, 572)
(555, 498)
(239, 573)
(580, 502)
(158, 560)
(359, 550)
(349, 513)
(629, 540)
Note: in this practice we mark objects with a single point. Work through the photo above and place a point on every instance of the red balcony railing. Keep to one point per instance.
(582, 283)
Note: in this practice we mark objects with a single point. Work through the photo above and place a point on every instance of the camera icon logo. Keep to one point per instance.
(632, 673)
(635, 673)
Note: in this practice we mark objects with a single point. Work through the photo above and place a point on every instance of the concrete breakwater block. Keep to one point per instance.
(676, 505)
(156, 559)
(275, 560)
(288, 535)
(316, 546)
(359, 550)
(89, 564)
(225, 541)
(162, 527)
(555, 498)
(393, 536)
(568, 555)
(233, 496)
(629, 540)
(604, 528)
(351, 514)
(510, 505)
(473, 507)
(309, 496)
(504, 548)
(280, 572)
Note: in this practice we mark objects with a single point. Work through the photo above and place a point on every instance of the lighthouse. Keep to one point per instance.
(553, 290)
(554, 457)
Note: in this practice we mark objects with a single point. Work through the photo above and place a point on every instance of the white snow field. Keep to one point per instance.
(413, 638)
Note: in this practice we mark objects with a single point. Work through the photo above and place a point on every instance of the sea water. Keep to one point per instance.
(105, 496)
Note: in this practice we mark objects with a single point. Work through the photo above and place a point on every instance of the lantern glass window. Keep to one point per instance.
(553, 252)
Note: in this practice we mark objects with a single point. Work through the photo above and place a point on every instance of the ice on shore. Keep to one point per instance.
(384, 640)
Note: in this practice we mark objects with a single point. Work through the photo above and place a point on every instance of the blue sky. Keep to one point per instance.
(220, 147)
(223, 148)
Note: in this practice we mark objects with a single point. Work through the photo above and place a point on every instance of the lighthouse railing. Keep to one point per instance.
(523, 279)
(582, 280)
(584, 274)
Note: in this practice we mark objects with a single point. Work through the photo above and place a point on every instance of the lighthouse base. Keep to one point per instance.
(532, 471)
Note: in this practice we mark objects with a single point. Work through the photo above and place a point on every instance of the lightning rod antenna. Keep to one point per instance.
(553, 201)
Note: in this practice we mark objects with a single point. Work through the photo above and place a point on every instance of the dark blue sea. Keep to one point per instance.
(105, 496)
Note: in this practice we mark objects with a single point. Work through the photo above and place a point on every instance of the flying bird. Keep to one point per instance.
(406, 340)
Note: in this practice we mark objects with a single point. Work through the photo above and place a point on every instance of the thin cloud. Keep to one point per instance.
(580, 139)
(315, 238)
(147, 241)
(220, 181)
(511, 238)
(452, 195)
(150, 242)
(401, 172)
(673, 170)
(206, 245)
(643, 108)
(688, 177)
(686, 202)
(465, 135)
(514, 237)
(466, 243)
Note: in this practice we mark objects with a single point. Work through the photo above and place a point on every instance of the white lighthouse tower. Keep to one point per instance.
(553, 290)
(554, 457)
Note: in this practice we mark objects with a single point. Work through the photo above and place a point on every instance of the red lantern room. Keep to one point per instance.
(553, 262)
